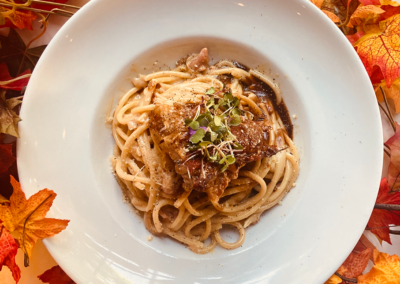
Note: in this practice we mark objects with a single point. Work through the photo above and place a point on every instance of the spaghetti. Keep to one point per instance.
(158, 174)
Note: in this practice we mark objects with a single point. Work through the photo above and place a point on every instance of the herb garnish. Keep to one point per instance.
(210, 131)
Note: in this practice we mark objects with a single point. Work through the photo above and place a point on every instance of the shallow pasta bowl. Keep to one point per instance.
(65, 144)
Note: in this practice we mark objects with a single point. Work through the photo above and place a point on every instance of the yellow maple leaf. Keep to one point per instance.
(27, 217)
(389, 2)
(382, 49)
(385, 271)
(363, 12)
(392, 93)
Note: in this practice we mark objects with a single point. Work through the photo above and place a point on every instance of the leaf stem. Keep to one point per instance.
(347, 20)
(389, 114)
(26, 257)
(394, 207)
(394, 232)
(386, 152)
(352, 280)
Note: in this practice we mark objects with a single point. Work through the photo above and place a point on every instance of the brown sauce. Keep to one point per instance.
(265, 94)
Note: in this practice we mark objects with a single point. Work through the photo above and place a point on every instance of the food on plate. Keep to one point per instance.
(200, 147)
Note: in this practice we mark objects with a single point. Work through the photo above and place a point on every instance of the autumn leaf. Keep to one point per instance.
(362, 13)
(17, 18)
(354, 37)
(385, 271)
(392, 93)
(370, 2)
(330, 14)
(334, 279)
(8, 250)
(389, 2)
(390, 11)
(381, 218)
(8, 82)
(27, 217)
(6, 157)
(3, 199)
(8, 118)
(356, 263)
(394, 167)
(55, 275)
(382, 49)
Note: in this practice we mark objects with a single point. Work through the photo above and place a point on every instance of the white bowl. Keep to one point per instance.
(65, 144)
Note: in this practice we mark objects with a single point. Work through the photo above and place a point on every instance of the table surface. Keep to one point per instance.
(41, 258)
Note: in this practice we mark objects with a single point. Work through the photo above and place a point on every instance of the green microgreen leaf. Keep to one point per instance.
(235, 102)
(210, 91)
(194, 125)
(236, 111)
(203, 121)
(188, 121)
(222, 160)
(213, 136)
(205, 143)
(218, 120)
(228, 97)
(210, 102)
(230, 159)
(237, 146)
(198, 136)
(235, 120)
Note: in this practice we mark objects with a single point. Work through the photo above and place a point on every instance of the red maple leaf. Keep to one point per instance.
(8, 250)
(381, 218)
(354, 37)
(389, 12)
(6, 157)
(17, 85)
(55, 275)
(370, 2)
(394, 167)
(356, 263)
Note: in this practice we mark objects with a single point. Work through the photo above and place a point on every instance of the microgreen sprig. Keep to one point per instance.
(210, 130)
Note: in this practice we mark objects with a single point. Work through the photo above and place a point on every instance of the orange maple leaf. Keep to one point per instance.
(392, 93)
(385, 271)
(382, 49)
(27, 217)
(330, 15)
(20, 19)
(363, 12)
(334, 279)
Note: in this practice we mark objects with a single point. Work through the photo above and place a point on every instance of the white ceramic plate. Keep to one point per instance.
(65, 144)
